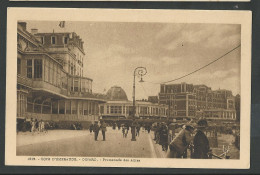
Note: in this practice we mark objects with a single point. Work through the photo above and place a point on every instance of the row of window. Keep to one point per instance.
(127, 109)
(54, 40)
(63, 107)
(53, 74)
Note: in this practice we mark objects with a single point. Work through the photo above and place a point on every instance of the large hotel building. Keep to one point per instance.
(50, 80)
(188, 100)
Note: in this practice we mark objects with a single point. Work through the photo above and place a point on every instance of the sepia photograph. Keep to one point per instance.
(125, 92)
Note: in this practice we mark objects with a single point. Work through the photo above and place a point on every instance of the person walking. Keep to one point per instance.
(164, 137)
(138, 127)
(103, 129)
(96, 130)
(201, 142)
(180, 143)
(32, 122)
(91, 128)
(148, 128)
(42, 126)
(36, 125)
(124, 130)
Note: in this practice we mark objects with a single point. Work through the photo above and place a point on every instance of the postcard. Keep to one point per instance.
(128, 88)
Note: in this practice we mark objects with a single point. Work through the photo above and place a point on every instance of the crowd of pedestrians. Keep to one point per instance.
(37, 125)
(183, 141)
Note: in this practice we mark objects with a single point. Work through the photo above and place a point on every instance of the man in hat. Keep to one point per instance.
(201, 142)
(96, 130)
(103, 129)
(178, 146)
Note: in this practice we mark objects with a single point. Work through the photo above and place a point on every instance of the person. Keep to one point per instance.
(103, 129)
(201, 142)
(127, 128)
(138, 127)
(164, 137)
(158, 130)
(36, 125)
(114, 125)
(148, 128)
(42, 126)
(155, 130)
(32, 122)
(91, 128)
(124, 131)
(180, 143)
(96, 130)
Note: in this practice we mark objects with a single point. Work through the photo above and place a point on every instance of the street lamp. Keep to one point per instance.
(141, 71)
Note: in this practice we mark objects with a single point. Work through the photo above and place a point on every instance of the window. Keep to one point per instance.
(102, 109)
(86, 107)
(108, 110)
(37, 68)
(29, 68)
(53, 40)
(61, 107)
(65, 40)
(67, 104)
(116, 109)
(19, 66)
(76, 85)
(42, 40)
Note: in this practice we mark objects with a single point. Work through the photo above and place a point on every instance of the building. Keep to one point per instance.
(50, 80)
(190, 101)
(119, 107)
(153, 99)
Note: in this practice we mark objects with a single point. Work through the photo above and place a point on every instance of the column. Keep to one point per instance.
(70, 107)
(58, 106)
(65, 107)
(51, 107)
(83, 107)
(78, 108)
(43, 70)
(89, 107)
(32, 68)
(187, 105)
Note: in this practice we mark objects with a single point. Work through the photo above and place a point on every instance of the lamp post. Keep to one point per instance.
(141, 71)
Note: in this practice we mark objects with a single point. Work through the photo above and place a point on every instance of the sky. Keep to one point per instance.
(167, 50)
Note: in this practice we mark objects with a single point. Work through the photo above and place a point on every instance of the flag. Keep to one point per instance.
(62, 24)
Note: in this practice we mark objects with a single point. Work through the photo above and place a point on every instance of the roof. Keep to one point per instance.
(116, 93)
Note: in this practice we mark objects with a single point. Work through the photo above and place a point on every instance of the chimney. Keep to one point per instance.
(34, 31)
(23, 25)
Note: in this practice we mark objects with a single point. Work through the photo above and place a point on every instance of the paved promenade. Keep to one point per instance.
(81, 143)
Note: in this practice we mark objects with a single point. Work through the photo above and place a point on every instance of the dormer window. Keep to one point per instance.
(53, 40)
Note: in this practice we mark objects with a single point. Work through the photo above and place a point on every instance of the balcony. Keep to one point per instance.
(24, 81)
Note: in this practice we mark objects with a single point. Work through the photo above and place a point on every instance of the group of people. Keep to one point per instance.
(96, 127)
(37, 126)
(182, 142)
(198, 146)
(161, 135)
(125, 129)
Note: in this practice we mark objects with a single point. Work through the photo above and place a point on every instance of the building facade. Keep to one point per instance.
(50, 80)
(119, 107)
(188, 100)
